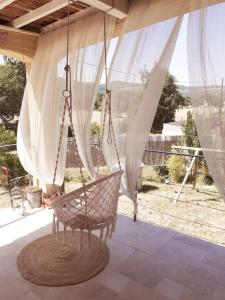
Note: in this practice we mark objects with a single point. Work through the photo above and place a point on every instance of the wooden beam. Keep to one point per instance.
(39, 13)
(167, 9)
(116, 8)
(73, 18)
(4, 3)
(17, 43)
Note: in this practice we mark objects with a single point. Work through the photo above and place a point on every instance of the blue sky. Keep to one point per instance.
(179, 66)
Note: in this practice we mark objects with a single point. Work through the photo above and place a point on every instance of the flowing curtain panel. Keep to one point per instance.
(136, 77)
(206, 60)
(41, 113)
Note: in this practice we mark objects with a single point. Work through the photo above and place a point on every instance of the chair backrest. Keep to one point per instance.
(100, 197)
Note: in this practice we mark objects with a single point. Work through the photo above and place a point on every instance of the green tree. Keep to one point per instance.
(190, 132)
(12, 83)
(170, 100)
(98, 102)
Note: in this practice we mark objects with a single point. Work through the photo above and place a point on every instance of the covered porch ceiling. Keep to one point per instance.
(22, 21)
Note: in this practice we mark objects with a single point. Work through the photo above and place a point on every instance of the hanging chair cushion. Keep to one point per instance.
(78, 218)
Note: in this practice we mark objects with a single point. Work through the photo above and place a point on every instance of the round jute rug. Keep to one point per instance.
(46, 262)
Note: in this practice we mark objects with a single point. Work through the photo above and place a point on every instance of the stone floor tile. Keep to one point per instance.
(189, 294)
(136, 291)
(214, 256)
(97, 292)
(116, 282)
(47, 293)
(175, 250)
(29, 296)
(11, 288)
(219, 293)
(193, 241)
(144, 269)
(201, 278)
(170, 289)
(142, 236)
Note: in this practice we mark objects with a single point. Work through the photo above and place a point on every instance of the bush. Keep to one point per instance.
(12, 162)
(207, 178)
(162, 172)
(95, 130)
(176, 165)
(7, 136)
(75, 177)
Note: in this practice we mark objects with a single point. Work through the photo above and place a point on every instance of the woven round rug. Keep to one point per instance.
(47, 262)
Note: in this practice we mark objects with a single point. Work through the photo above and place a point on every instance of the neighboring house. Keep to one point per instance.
(176, 128)
(172, 129)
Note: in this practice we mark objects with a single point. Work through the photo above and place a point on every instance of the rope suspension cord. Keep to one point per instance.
(111, 134)
(67, 94)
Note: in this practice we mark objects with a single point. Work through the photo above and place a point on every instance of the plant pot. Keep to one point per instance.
(47, 199)
(34, 198)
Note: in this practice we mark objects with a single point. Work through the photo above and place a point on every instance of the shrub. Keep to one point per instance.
(176, 165)
(95, 130)
(162, 172)
(6, 136)
(12, 162)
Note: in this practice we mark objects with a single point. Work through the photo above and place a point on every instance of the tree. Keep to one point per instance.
(98, 102)
(170, 100)
(12, 84)
(190, 132)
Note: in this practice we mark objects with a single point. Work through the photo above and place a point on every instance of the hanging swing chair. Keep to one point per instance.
(94, 205)
(76, 255)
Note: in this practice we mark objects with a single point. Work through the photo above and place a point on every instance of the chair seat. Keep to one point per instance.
(78, 218)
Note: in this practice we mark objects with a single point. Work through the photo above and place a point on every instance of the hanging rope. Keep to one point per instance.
(108, 108)
(67, 94)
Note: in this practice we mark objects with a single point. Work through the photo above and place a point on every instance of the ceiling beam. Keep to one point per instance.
(18, 43)
(116, 8)
(4, 3)
(119, 10)
(39, 13)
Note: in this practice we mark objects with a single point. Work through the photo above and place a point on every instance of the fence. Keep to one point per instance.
(156, 142)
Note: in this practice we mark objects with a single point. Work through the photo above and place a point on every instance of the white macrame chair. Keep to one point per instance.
(94, 205)
(91, 208)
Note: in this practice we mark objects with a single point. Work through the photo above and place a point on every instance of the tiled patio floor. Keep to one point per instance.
(147, 262)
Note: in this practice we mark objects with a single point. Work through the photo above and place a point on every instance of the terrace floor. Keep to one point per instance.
(147, 262)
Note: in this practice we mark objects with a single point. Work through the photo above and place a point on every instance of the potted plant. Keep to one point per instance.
(34, 196)
(48, 198)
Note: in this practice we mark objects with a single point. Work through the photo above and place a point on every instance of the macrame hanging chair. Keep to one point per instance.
(92, 206)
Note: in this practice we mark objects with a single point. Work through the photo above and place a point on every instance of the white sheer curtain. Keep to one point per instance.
(41, 112)
(206, 56)
(136, 77)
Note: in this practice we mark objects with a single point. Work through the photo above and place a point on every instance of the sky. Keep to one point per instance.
(178, 65)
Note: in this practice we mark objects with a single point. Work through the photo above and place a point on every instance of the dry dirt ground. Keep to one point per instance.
(199, 212)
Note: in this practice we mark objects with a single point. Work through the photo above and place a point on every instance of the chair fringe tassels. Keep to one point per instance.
(54, 225)
(71, 237)
(64, 235)
(107, 233)
(89, 238)
(81, 240)
(101, 236)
